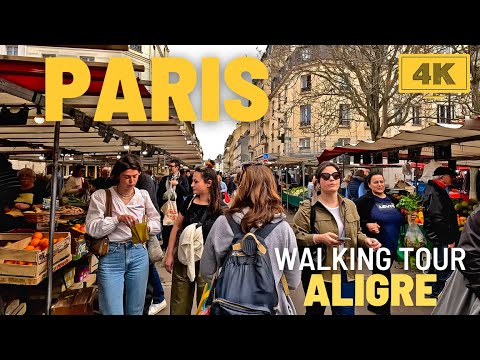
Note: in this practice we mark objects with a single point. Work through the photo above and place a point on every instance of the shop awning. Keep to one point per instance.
(22, 83)
(465, 141)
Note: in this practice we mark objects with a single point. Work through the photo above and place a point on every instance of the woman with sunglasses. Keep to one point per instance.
(337, 224)
(379, 217)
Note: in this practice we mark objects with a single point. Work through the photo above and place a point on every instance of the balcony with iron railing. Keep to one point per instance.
(300, 56)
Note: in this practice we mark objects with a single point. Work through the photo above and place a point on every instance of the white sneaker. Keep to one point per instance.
(156, 308)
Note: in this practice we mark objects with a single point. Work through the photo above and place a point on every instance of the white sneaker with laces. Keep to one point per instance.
(156, 308)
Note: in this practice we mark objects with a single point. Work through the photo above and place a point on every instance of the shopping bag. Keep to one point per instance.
(170, 194)
(155, 252)
(169, 209)
(456, 298)
(139, 233)
(414, 237)
(205, 301)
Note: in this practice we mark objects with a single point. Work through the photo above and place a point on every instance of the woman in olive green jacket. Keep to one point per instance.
(337, 225)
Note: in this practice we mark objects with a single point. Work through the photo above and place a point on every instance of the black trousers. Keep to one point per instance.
(383, 309)
(166, 230)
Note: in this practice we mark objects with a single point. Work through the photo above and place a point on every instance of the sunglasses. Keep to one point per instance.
(326, 176)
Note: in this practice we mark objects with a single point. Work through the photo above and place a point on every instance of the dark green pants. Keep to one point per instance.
(183, 290)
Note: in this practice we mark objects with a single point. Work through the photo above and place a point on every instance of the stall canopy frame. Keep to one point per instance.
(465, 141)
(21, 81)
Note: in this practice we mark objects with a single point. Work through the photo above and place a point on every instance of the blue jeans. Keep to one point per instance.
(154, 278)
(122, 277)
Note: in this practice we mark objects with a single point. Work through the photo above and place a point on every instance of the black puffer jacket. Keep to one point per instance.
(440, 216)
(470, 242)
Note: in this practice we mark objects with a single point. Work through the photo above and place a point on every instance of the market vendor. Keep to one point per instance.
(76, 184)
(29, 196)
(381, 219)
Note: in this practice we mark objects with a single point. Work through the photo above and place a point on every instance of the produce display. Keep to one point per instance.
(464, 209)
(296, 191)
(79, 227)
(71, 210)
(38, 243)
(72, 200)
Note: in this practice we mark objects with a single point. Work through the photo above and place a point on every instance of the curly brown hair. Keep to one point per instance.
(258, 191)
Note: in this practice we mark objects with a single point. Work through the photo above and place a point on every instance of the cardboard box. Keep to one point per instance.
(37, 258)
(75, 302)
(79, 247)
(93, 263)
(64, 281)
(89, 281)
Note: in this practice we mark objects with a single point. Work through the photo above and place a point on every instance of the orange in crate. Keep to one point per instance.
(35, 241)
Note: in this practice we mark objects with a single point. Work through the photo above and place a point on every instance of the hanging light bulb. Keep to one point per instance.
(41, 157)
(119, 156)
(39, 119)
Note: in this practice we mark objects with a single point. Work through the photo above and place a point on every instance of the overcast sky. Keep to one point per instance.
(212, 135)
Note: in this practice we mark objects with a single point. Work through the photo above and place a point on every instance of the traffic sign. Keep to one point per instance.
(265, 156)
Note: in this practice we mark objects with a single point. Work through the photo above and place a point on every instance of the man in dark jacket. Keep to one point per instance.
(180, 185)
(441, 226)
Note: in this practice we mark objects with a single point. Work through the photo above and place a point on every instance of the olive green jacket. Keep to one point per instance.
(325, 222)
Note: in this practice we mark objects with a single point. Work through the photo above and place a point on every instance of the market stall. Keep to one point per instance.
(292, 194)
(22, 86)
(459, 144)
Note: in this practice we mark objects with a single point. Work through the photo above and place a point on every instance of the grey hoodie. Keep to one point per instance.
(220, 238)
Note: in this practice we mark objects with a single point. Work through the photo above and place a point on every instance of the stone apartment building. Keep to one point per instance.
(308, 114)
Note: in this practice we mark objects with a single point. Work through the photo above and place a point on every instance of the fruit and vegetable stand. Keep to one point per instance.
(294, 196)
(22, 83)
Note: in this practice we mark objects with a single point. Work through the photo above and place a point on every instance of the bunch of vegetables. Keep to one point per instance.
(410, 203)
(297, 191)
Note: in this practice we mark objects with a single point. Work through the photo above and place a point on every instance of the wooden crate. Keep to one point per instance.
(75, 302)
(39, 258)
(22, 280)
(87, 282)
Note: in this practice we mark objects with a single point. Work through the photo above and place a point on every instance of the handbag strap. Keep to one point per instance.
(108, 210)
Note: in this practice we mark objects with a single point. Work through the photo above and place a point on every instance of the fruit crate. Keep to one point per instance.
(36, 259)
(23, 280)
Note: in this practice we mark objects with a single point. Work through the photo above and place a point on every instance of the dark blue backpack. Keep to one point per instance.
(245, 284)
